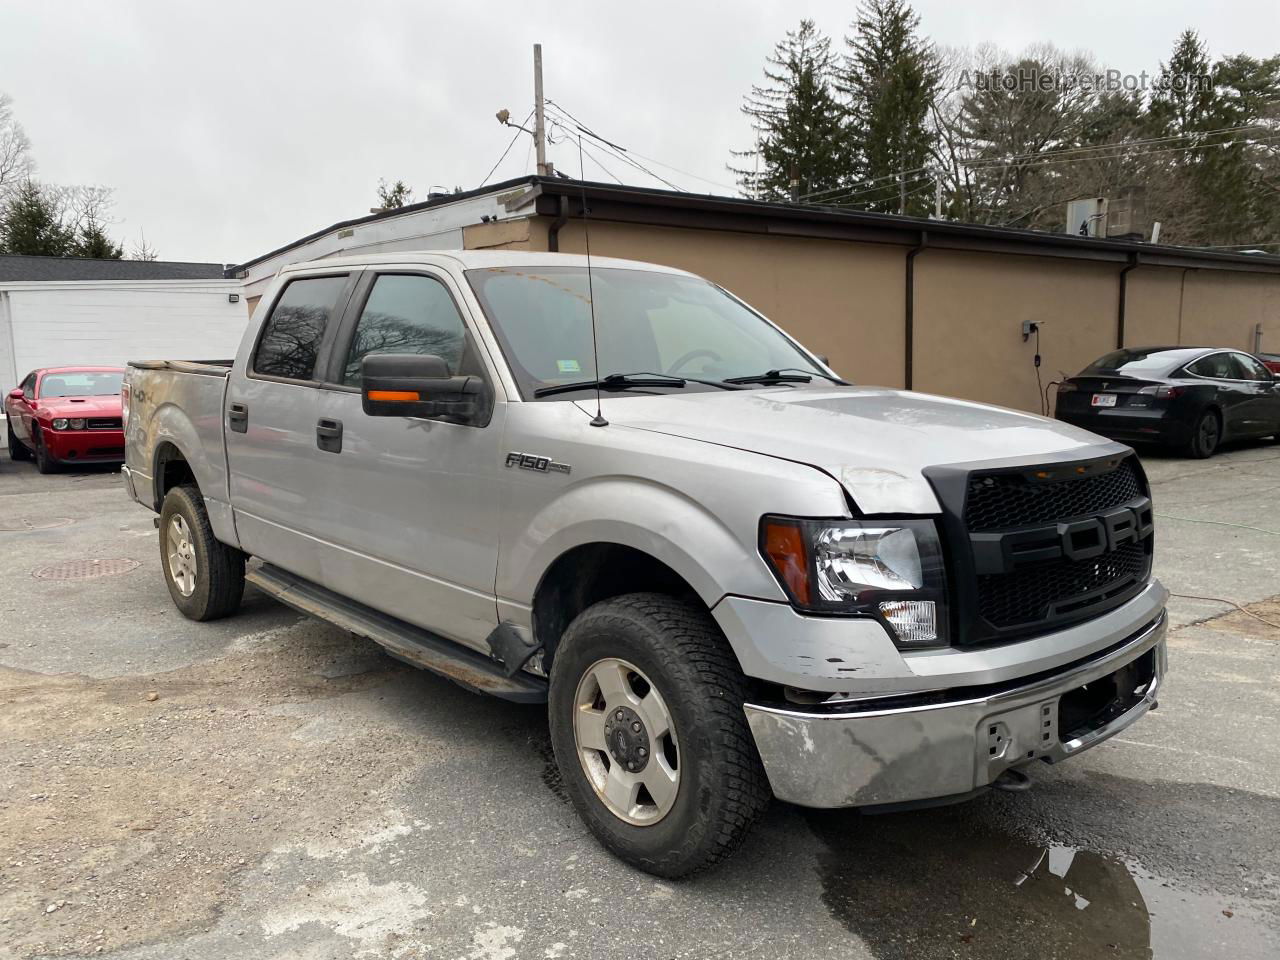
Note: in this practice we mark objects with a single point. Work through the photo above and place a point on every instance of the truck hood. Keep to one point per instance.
(875, 441)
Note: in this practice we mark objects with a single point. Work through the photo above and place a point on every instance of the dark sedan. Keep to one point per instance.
(1191, 398)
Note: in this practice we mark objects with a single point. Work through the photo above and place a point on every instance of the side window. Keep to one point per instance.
(29, 386)
(407, 314)
(1250, 369)
(292, 334)
(1217, 366)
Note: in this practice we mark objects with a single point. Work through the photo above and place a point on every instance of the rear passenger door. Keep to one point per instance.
(270, 420)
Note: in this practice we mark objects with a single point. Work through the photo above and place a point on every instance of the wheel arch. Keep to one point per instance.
(588, 573)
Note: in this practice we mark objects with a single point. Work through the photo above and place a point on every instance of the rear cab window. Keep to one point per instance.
(289, 345)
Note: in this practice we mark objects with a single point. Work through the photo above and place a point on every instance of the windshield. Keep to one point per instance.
(88, 383)
(646, 322)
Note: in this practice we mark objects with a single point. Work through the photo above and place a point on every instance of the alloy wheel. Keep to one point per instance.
(181, 555)
(626, 742)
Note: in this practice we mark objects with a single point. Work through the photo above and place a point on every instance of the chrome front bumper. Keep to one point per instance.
(954, 744)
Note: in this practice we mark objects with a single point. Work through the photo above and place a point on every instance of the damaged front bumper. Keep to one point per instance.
(955, 742)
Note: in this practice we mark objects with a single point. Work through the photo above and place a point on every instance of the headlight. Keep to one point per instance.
(76, 424)
(59, 423)
(888, 569)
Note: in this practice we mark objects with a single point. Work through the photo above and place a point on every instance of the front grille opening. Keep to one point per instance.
(1006, 500)
(1061, 588)
(1097, 703)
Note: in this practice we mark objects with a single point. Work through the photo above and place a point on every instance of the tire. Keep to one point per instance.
(1205, 436)
(212, 571)
(44, 462)
(676, 650)
(17, 449)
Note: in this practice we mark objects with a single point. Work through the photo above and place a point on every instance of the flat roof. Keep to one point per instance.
(554, 196)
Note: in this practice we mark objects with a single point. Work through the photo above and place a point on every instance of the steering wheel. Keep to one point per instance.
(690, 356)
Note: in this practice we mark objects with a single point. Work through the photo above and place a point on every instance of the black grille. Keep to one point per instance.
(104, 423)
(1061, 588)
(1005, 501)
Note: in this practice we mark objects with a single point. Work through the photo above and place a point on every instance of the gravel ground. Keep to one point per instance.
(270, 787)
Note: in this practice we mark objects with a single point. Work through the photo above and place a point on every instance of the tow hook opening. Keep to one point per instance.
(1012, 780)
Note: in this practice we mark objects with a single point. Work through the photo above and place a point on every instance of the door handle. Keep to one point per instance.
(238, 417)
(329, 435)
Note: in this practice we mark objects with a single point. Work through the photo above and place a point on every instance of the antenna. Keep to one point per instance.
(598, 420)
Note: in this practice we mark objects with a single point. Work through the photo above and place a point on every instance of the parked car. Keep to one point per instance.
(727, 571)
(1191, 398)
(1272, 360)
(66, 414)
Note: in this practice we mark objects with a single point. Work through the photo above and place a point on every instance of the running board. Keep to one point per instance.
(402, 640)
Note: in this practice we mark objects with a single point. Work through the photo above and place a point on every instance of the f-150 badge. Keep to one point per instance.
(529, 461)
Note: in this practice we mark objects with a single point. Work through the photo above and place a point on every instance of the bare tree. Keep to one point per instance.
(16, 164)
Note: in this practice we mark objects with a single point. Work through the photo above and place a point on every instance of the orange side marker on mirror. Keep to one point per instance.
(394, 396)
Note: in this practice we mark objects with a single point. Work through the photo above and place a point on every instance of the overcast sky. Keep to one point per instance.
(231, 128)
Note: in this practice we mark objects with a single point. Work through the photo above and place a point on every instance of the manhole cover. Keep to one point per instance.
(23, 524)
(86, 569)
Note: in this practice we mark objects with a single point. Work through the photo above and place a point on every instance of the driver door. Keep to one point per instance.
(407, 509)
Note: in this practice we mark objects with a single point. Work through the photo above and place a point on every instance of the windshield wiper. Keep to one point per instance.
(624, 381)
(787, 375)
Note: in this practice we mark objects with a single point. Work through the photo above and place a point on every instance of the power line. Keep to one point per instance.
(506, 151)
(596, 160)
(633, 152)
(617, 150)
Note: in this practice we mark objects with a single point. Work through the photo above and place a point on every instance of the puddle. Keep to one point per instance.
(943, 884)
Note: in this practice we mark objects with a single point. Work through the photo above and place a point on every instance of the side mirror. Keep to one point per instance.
(417, 385)
(16, 393)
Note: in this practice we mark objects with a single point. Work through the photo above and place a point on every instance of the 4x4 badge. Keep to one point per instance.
(529, 461)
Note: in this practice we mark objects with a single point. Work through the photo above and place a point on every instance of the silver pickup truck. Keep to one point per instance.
(617, 489)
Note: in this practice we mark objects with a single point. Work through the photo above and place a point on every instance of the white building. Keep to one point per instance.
(65, 310)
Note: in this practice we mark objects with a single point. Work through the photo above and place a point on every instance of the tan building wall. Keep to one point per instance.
(1223, 309)
(968, 321)
(1153, 307)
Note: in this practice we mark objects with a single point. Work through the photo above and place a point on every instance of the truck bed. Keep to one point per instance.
(177, 405)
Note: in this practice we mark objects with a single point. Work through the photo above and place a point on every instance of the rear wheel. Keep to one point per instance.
(17, 449)
(649, 735)
(1205, 436)
(205, 577)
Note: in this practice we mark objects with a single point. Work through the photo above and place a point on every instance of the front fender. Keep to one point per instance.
(655, 519)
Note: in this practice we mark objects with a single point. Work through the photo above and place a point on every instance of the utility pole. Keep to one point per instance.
(937, 196)
(795, 184)
(539, 117)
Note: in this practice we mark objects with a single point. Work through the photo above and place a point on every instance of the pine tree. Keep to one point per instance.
(33, 226)
(799, 126)
(92, 241)
(890, 77)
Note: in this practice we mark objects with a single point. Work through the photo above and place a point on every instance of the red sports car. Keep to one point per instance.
(66, 415)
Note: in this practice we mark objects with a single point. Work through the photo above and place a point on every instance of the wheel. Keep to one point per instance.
(648, 732)
(17, 449)
(205, 577)
(1204, 436)
(44, 462)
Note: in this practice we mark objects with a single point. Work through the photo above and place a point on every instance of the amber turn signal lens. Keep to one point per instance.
(394, 396)
(784, 543)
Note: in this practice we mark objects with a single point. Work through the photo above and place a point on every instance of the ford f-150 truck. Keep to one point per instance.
(617, 489)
